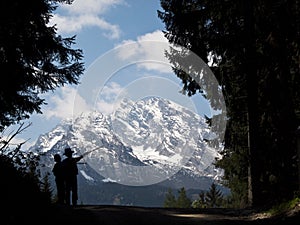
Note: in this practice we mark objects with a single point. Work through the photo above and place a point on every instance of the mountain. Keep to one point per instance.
(135, 154)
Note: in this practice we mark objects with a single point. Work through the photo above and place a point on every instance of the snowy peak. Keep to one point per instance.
(159, 130)
(142, 142)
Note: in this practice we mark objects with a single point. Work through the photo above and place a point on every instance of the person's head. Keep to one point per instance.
(68, 152)
(57, 158)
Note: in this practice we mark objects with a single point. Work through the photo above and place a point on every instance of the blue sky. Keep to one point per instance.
(121, 41)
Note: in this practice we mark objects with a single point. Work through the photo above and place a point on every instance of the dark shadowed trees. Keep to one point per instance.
(209, 199)
(254, 49)
(170, 200)
(34, 59)
(182, 200)
(214, 196)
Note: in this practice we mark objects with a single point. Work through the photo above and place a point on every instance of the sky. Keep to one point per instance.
(122, 43)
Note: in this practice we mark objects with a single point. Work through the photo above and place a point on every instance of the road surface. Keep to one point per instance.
(126, 215)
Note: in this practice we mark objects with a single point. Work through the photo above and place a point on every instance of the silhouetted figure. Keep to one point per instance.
(58, 172)
(71, 172)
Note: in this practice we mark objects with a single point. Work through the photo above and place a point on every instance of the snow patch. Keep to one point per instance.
(86, 176)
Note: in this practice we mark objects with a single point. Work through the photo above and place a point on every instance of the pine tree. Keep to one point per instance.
(46, 188)
(201, 202)
(255, 49)
(170, 200)
(183, 201)
(213, 197)
(34, 59)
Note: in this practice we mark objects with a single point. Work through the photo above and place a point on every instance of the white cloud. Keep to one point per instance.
(65, 104)
(154, 36)
(86, 13)
(109, 99)
(106, 107)
(111, 91)
(149, 48)
(71, 24)
(144, 46)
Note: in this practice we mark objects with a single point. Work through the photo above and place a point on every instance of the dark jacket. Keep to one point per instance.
(58, 171)
(70, 166)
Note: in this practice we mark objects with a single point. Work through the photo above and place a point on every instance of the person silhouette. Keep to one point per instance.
(59, 179)
(70, 174)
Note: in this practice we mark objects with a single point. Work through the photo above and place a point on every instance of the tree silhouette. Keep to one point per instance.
(201, 201)
(183, 201)
(33, 58)
(170, 200)
(254, 46)
(20, 189)
(213, 197)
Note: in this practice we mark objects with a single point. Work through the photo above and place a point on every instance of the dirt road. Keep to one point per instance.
(124, 215)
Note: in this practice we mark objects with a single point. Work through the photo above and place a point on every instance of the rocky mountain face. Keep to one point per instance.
(135, 154)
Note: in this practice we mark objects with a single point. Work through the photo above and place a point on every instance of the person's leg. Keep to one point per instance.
(60, 192)
(68, 192)
(74, 192)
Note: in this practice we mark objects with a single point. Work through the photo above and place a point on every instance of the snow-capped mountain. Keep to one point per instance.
(151, 142)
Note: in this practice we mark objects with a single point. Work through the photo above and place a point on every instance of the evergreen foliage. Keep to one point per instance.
(20, 189)
(170, 200)
(254, 46)
(33, 58)
(46, 188)
(210, 199)
(213, 197)
(182, 201)
(200, 202)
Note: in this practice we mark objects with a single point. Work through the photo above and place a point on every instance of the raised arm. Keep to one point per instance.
(76, 159)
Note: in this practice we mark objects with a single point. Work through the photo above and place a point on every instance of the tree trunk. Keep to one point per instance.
(254, 191)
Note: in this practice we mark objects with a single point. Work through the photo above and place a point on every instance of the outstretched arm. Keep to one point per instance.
(76, 159)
